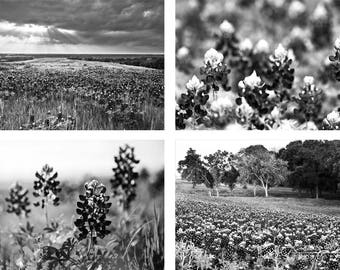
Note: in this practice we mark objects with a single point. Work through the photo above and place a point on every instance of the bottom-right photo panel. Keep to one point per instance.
(258, 204)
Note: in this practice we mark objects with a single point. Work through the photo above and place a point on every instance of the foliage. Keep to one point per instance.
(313, 164)
(264, 169)
(192, 169)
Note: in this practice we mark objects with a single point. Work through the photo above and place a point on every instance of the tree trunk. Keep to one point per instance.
(254, 190)
(209, 193)
(266, 191)
(217, 192)
(317, 191)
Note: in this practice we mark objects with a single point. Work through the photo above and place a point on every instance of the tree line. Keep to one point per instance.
(311, 166)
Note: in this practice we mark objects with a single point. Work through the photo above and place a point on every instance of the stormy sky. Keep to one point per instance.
(81, 26)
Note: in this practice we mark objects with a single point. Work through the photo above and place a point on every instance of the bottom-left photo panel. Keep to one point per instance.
(78, 204)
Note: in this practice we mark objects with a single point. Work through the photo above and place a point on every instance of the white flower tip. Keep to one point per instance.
(227, 28)
(194, 83)
(213, 58)
(280, 52)
(246, 45)
(320, 12)
(253, 80)
(262, 46)
(308, 80)
(337, 44)
(183, 52)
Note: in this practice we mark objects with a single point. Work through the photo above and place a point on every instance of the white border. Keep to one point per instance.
(169, 133)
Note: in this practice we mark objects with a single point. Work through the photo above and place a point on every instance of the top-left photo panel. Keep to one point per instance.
(82, 65)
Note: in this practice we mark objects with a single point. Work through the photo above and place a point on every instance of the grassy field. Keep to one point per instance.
(59, 93)
(281, 198)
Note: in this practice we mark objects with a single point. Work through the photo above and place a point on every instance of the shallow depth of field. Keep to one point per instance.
(96, 223)
(81, 93)
(259, 64)
(259, 209)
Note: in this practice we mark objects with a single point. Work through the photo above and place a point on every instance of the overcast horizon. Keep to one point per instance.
(72, 159)
(82, 27)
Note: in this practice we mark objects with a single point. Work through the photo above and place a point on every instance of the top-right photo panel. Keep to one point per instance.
(258, 65)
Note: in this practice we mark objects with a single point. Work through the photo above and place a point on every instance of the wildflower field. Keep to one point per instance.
(238, 232)
(60, 93)
(263, 64)
(98, 224)
(255, 208)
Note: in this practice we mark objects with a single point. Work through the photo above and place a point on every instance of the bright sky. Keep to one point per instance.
(71, 159)
(208, 147)
(81, 26)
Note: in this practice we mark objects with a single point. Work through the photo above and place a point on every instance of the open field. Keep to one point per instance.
(242, 232)
(59, 93)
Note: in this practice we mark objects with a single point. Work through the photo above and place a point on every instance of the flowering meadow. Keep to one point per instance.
(80, 95)
(223, 234)
(99, 224)
(264, 64)
(258, 208)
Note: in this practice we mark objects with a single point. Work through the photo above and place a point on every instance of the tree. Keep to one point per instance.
(314, 165)
(229, 177)
(192, 169)
(263, 168)
(219, 166)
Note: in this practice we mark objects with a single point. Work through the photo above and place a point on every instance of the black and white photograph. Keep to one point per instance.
(258, 204)
(257, 64)
(81, 204)
(81, 65)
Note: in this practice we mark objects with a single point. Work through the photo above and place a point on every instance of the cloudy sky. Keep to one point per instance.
(81, 26)
(72, 159)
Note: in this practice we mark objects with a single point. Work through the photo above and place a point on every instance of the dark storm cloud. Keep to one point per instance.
(91, 22)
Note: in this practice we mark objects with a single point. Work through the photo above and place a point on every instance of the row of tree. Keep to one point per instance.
(312, 166)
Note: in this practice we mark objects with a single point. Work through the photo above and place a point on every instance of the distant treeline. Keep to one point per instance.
(15, 58)
(156, 62)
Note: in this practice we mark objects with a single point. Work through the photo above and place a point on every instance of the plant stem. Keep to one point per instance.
(46, 214)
